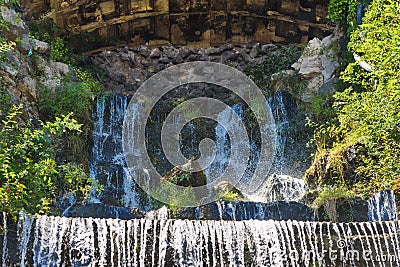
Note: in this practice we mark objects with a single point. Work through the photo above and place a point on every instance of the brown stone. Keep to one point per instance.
(218, 27)
(273, 5)
(161, 27)
(256, 6)
(218, 5)
(288, 30)
(198, 6)
(235, 5)
(197, 23)
(321, 12)
(161, 6)
(177, 6)
(178, 26)
(289, 7)
(262, 35)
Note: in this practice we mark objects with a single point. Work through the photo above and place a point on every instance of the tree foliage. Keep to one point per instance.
(368, 110)
(29, 173)
(343, 12)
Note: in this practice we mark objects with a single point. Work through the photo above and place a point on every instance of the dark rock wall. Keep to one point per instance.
(194, 23)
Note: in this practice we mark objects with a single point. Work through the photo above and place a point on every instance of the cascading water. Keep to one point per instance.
(240, 234)
(112, 242)
(282, 123)
(222, 143)
(108, 166)
(25, 226)
(284, 183)
(5, 240)
(382, 206)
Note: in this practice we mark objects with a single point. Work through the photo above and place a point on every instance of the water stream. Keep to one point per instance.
(58, 241)
(240, 234)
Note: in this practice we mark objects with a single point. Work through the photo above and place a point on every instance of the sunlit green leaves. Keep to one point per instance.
(28, 171)
(368, 112)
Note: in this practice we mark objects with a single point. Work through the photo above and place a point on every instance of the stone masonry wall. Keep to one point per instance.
(194, 23)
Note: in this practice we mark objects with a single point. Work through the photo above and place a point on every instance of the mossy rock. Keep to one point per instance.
(228, 192)
(183, 175)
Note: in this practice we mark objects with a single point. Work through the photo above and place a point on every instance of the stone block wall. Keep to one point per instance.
(194, 23)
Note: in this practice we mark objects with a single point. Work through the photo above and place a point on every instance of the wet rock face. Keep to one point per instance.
(99, 210)
(280, 210)
(191, 23)
(219, 210)
(347, 210)
(224, 187)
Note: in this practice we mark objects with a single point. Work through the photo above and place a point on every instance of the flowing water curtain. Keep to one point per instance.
(107, 165)
(382, 206)
(143, 242)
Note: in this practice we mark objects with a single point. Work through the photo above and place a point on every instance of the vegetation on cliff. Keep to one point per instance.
(363, 133)
(43, 157)
(29, 173)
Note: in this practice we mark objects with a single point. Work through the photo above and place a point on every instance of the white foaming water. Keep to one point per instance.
(143, 242)
(107, 155)
(25, 224)
(278, 186)
(382, 206)
(223, 150)
(5, 241)
(108, 162)
(282, 123)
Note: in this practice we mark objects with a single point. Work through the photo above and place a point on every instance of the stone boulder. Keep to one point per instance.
(346, 209)
(227, 190)
(280, 210)
(318, 67)
(324, 168)
(40, 47)
(183, 176)
(284, 188)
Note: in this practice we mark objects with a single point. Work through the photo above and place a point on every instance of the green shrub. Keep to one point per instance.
(69, 97)
(343, 12)
(331, 193)
(230, 196)
(28, 170)
(367, 113)
(328, 196)
(75, 97)
(177, 196)
(75, 181)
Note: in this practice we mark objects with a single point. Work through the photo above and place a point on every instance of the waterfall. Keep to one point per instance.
(239, 211)
(283, 183)
(107, 166)
(282, 123)
(5, 241)
(143, 242)
(222, 143)
(25, 225)
(281, 187)
(382, 206)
